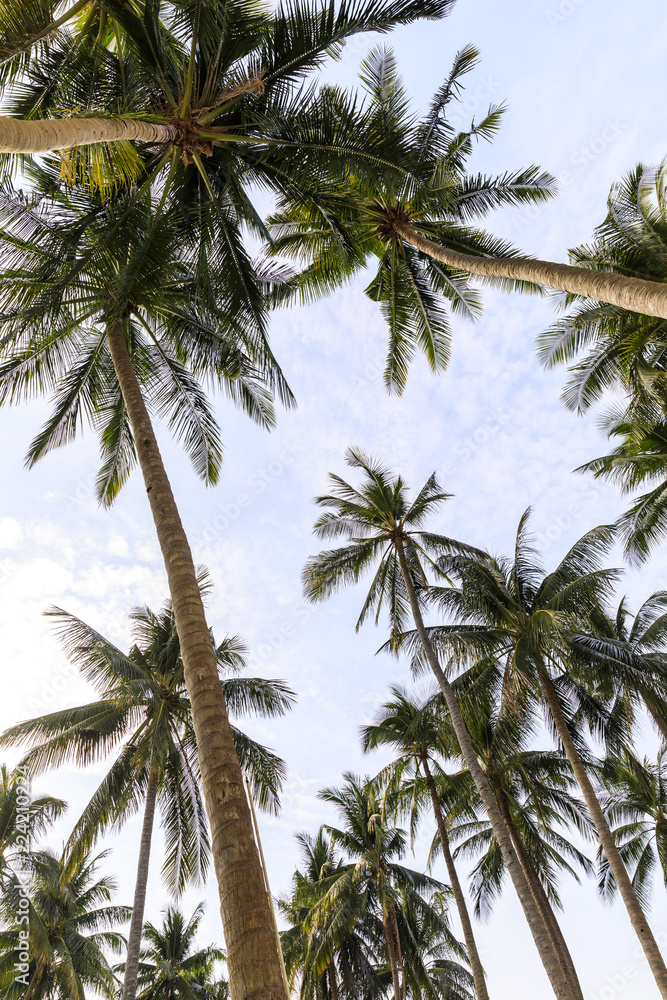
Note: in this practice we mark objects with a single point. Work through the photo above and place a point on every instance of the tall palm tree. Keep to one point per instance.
(71, 924)
(413, 731)
(170, 968)
(217, 98)
(417, 220)
(374, 873)
(145, 712)
(22, 822)
(541, 627)
(533, 788)
(385, 529)
(636, 805)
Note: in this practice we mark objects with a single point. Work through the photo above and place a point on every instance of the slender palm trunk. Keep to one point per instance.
(618, 869)
(537, 926)
(393, 948)
(333, 980)
(33, 984)
(247, 921)
(468, 935)
(635, 294)
(542, 901)
(137, 922)
(17, 136)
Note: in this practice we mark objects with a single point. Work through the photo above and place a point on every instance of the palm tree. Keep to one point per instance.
(374, 874)
(70, 925)
(325, 956)
(636, 805)
(138, 300)
(413, 730)
(386, 530)
(541, 627)
(170, 969)
(145, 711)
(418, 219)
(22, 818)
(533, 788)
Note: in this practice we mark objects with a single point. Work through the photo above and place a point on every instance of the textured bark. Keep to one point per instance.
(542, 901)
(137, 921)
(247, 921)
(618, 869)
(468, 935)
(393, 948)
(17, 136)
(537, 927)
(635, 294)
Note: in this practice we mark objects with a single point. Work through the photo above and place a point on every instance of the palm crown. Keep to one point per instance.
(344, 226)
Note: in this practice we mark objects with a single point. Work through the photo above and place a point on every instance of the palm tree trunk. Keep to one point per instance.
(537, 926)
(390, 932)
(635, 294)
(333, 980)
(542, 901)
(481, 991)
(17, 136)
(137, 922)
(618, 869)
(252, 953)
(33, 984)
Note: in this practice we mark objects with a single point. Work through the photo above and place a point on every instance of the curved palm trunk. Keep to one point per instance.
(393, 948)
(252, 953)
(17, 136)
(542, 900)
(468, 935)
(635, 294)
(138, 906)
(536, 924)
(618, 869)
(33, 984)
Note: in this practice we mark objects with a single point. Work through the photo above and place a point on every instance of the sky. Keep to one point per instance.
(584, 84)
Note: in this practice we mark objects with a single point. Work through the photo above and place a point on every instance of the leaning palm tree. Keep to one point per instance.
(145, 711)
(170, 968)
(418, 224)
(413, 731)
(386, 530)
(541, 627)
(534, 793)
(71, 925)
(636, 805)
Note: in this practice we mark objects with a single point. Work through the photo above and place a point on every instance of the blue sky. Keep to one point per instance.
(584, 83)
